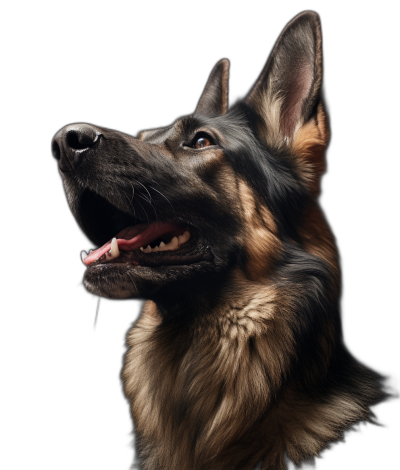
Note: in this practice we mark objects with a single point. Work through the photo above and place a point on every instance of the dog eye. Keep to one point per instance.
(202, 140)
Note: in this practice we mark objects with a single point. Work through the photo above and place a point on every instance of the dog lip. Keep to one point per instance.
(194, 251)
(136, 236)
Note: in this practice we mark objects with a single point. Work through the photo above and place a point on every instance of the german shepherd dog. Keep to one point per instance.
(237, 357)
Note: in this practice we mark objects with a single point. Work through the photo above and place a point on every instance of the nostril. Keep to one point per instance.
(73, 143)
(55, 150)
(78, 140)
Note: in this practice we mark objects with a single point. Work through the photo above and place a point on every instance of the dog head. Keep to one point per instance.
(217, 191)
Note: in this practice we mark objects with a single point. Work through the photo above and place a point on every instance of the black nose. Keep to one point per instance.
(71, 143)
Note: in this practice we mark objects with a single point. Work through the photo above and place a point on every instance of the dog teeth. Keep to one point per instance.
(112, 253)
(114, 248)
(174, 244)
(184, 238)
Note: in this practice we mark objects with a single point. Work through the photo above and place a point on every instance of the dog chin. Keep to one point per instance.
(101, 289)
(123, 282)
(126, 281)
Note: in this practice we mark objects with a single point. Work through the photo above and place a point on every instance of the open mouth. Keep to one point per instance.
(155, 244)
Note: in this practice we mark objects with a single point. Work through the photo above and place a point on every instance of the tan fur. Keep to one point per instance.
(309, 146)
(261, 234)
(269, 107)
(216, 375)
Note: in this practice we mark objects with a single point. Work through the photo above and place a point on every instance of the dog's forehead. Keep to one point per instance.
(156, 136)
(184, 127)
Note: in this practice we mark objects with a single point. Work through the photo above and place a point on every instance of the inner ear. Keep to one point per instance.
(214, 99)
(294, 98)
(287, 93)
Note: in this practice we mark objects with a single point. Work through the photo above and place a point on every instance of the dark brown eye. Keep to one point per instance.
(201, 141)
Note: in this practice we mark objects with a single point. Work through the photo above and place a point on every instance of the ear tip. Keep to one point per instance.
(307, 21)
(308, 16)
(224, 64)
(308, 13)
(214, 99)
(222, 68)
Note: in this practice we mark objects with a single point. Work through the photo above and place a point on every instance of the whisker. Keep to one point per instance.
(130, 204)
(152, 206)
(145, 199)
(165, 197)
(150, 179)
(144, 210)
(97, 313)
(131, 201)
(144, 188)
(133, 192)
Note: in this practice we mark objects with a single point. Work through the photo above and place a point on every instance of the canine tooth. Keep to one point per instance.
(84, 255)
(114, 248)
(162, 247)
(184, 238)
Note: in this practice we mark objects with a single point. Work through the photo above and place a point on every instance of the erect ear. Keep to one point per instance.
(214, 99)
(288, 91)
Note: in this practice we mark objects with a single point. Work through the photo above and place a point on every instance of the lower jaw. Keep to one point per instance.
(135, 274)
(122, 280)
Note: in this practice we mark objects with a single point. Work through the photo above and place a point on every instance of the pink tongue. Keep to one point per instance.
(134, 237)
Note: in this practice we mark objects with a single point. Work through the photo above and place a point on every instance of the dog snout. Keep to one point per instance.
(71, 143)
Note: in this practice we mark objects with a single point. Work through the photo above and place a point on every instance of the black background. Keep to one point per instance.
(141, 68)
